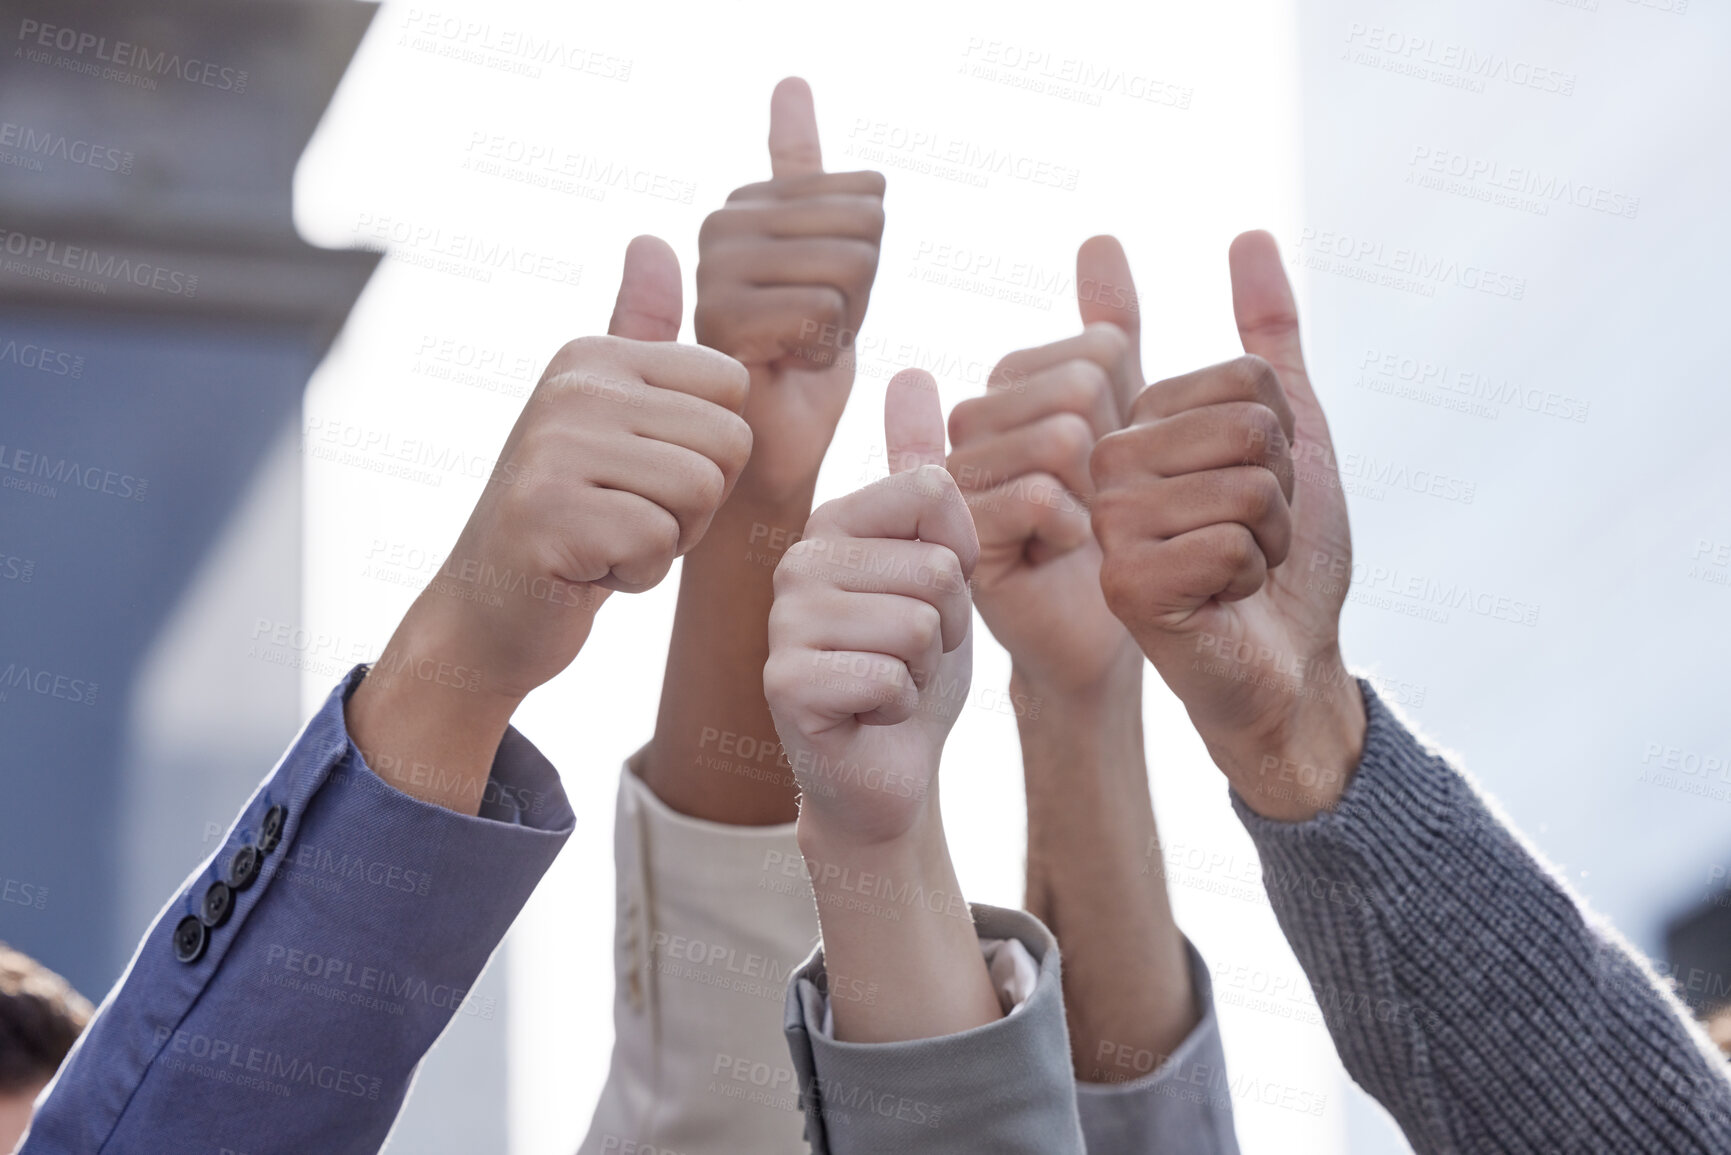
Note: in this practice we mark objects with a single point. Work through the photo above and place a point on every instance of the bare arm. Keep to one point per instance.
(866, 676)
(785, 272)
(1021, 457)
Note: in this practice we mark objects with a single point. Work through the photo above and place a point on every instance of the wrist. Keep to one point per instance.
(1056, 698)
(840, 861)
(1115, 675)
(427, 718)
(1303, 767)
(755, 527)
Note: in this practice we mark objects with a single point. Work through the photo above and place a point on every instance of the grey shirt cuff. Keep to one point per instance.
(1183, 1104)
(1003, 1088)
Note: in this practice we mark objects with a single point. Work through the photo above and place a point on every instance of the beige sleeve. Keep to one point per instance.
(710, 922)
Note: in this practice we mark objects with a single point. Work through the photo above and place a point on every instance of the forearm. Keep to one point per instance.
(1465, 987)
(899, 944)
(715, 754)
(1094, 873)
(358, 879)
(428, 719)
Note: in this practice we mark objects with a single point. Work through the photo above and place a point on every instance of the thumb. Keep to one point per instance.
(651, 298)
(793, 143)
(1105, 291)
(913, 421)
(1267, 317)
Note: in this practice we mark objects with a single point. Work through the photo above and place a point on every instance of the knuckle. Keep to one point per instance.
(713, 226)
(579, 350)
(781, 675)
(1072, 436)
(926, 626)
(1146, 406)
(1113, 458)
(873, 215)
(1119, 583)
(964, 418)
(707, 484)
(946, 569)
(860, 263)
(1111, 343)
(1260, 493)
(1257, 376)
(737, 449)
(1084, 382)
(1236, 547)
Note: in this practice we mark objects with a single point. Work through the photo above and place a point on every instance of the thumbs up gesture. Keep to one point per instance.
(618, 462)
(1021, 460)
(870, 656)
(784, 272)
(1227, 553)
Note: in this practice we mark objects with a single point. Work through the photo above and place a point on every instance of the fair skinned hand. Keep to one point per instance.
(1224, 531)
(784, 274)
(869, 661)
(1021, 459)
(870, 654)
(618, 462)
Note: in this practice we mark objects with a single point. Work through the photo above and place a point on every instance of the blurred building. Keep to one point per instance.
(159, 319)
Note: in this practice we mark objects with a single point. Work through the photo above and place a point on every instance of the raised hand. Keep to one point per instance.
(870, 655)
(1021, 459)
(868, 668)
(1227, 553)
(784, 273)
(618, 462)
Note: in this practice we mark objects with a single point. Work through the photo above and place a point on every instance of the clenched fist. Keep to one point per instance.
(621, 456)
(1223, 526)
(1021, 459)
(784, 273)
(870, 655)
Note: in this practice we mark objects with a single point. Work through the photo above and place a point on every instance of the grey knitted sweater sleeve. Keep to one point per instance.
(1465, 987)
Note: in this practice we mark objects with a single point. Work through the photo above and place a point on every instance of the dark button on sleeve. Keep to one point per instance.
(190, 938)
(270, 833)
(218, 901)
(243, 867)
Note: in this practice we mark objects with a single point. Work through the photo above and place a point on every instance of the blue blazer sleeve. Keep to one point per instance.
(285, 995)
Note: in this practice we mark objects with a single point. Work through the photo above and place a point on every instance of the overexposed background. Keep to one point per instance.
(1317, 121)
